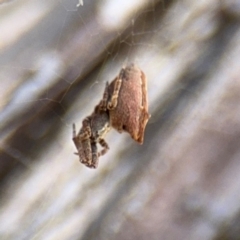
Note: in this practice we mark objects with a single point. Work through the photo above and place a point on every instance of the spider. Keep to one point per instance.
(94, 128)
(123, 106)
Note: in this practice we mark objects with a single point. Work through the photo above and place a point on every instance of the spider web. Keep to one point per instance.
(55, 58)
(40, 67)
(47, 85)
(48, 64)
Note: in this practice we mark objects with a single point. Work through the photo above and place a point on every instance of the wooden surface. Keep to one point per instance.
(183, 182)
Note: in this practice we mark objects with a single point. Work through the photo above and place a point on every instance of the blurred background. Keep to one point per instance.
(183, 182)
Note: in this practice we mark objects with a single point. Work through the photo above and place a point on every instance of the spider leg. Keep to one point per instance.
(105, 146)
(87, 153)
(114, 98)
(85, 131)
(82, 142)
(104, 101)
(94, 163)
(78, 144)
